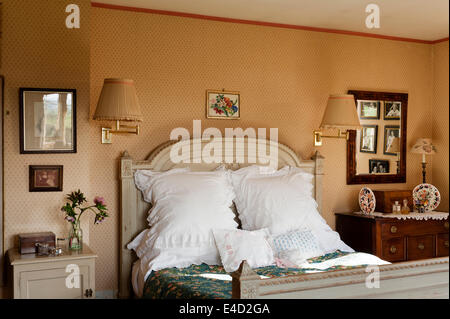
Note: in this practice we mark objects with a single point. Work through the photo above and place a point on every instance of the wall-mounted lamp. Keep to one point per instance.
(425, 147)
(118, 102)
(340, 114)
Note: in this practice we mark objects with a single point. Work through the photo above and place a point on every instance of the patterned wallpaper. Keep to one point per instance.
(39, 51)
(440, 113)
(284, 77)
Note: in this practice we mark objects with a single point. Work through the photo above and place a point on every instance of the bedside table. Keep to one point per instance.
(394, 239)
(44, 277)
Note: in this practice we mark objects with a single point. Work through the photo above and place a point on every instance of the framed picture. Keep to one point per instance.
(392, 110)
(368, 140)
(390, 132)
(378, 166)
(223, 105)
(369, 110)
(46, 178)
(47, 121)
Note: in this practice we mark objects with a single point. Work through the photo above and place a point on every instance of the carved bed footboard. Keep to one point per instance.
(427, 278)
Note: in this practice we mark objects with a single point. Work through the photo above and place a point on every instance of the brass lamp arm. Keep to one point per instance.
(119, 129)
(318, 136)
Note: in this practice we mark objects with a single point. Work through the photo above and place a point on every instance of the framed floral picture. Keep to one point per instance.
(223, 105)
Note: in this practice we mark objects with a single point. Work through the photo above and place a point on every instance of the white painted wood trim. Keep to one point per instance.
(427, 278)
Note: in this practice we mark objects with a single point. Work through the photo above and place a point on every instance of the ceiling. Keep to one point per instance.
(426, 20)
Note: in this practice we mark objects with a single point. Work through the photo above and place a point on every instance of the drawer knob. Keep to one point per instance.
(393, 229)
(446, 225)
(393, 249)
(421, 246)
(446, 244)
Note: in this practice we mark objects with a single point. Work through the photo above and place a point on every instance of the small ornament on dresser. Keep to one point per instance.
(426, 198)
(74, 210)
(366, 201)
(405, 208)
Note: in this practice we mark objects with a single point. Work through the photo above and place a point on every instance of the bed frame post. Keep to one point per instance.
(245, 282)
(127, 207)
(318, 175)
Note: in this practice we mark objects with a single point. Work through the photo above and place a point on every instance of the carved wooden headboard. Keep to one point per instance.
(134, 211)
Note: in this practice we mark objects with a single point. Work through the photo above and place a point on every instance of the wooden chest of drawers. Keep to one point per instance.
(392, 239)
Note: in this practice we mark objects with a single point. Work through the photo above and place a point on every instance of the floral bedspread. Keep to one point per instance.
(193, 282)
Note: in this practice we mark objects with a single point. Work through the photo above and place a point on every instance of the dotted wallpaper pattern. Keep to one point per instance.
(284, 76)
(39, 51)
(440, 113)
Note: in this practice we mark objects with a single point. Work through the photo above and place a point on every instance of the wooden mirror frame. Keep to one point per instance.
(352, 177)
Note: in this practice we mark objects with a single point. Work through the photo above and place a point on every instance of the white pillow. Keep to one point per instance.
(272, 200)
(186, 206)
(281, 201)
(237, 245)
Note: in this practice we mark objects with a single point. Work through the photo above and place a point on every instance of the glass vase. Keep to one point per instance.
(76, 237)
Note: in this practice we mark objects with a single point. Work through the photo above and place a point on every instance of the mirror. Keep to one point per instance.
(377, 153)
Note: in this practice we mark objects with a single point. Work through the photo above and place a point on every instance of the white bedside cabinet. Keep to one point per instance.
(46, 277)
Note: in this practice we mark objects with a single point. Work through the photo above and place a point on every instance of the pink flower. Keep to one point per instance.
(99, 200)
(70, 219)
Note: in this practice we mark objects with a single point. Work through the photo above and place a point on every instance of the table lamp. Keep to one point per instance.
(425, 147)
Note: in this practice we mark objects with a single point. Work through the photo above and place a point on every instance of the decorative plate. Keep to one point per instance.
(367, 201)
(428, 195)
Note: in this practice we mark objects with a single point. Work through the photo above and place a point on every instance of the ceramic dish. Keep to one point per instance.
(366, 201)
(428, 195)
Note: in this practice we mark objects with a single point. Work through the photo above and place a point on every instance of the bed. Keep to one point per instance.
(415, 279)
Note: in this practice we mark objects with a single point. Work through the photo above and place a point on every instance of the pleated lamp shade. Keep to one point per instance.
(118, 102)
(341, 113)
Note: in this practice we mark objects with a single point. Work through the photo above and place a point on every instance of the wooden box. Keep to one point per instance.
(385, 200)
(27, 242)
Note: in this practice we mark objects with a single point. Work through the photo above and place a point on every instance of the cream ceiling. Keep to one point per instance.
(417, 19)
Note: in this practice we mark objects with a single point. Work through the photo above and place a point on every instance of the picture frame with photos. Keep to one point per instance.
(392, 110)
(390, 132)
(378, 166)
(368, 139)
(46, 178)
(369, 110)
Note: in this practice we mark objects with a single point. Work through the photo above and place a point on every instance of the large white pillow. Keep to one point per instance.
(186, 206)
(281, 201)
(237, 245)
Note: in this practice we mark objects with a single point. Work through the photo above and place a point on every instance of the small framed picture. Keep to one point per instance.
(392, 110)
(47, 121)
(390, 132)
(369, 110)
(368, 139)
(46, 178)
(378, 166)
(223, 105)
